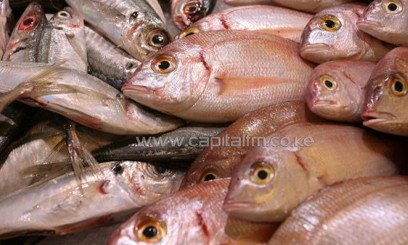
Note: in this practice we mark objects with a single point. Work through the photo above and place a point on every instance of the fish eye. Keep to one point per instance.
(328, 82)
(64, 15)
(117, 169)
(262, 173)
(399, 86)
(150, 230)
(208, 174)
(158, 38)
(191, 8)
(28, 23)
(330, 23)
(160, 168)
(188, 32)
(130, 65)
(164, 64)
(392, 7)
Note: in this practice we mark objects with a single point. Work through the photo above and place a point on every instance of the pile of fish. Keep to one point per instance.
(129, 122)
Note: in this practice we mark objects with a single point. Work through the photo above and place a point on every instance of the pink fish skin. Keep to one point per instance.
(220, 76)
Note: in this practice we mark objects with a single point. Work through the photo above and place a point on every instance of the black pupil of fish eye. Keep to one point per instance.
(28, 22)
(160, 168)
(134, 15)
(192, 9)
(63, 14)
(330, 24)
(398, 86)
(158, 39)
(164, 65)
(150, 231)
(130, 65)
(209, 177)
(262, 174)
(117, 169)
(392, 7)
(328, 84)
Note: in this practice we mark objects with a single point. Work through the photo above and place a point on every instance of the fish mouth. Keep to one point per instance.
(366, 24)
(371, 117)
(231, 206)
(135, 88)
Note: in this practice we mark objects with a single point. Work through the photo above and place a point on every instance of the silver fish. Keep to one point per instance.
(5, 14)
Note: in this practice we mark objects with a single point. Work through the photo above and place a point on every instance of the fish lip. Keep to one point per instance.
(231, 205)
(365, 22)
(370, 117)
(321, 103)
(310, 47)
(135, 88)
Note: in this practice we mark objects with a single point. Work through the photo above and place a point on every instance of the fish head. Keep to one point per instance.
(332, 34)
(333, 94)
(171, 80)
(385, 19)
(386, 96)
(144, 34)
(29, 24)
(186, 12)
(262, 186)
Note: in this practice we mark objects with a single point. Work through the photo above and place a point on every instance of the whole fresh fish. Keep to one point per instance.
(386, 97)
(80, 97)
(183, 144)
(271, 181)
(62, 206)
(186, 12)
(220, 72)
(108, 62)
(387, 21)
(132, 25)
(336, 89)
(191, 216)
(63, 41)
(25, 38)
(333, 34)
(5, 15)
(268, 19)
(231, 145)
(362, 211)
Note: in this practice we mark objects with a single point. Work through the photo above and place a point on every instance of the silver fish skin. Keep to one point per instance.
(387, 21)
(186, 12)
(80, 97)
(132, 26)
(333, 34)
(5, 14)
(63, 41)
(62, 206)
(25, 38)
(108, 62)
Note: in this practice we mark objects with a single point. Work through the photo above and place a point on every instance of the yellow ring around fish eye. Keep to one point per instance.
(399, 86)
(150, 230)
(392, 7)
(164, 64)
(262, 173)
(208, 175)
(158, 38)
(330, 23)
(188, 32)
(328, 82)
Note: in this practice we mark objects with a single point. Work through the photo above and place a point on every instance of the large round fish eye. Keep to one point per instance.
(192, 8)
(392, 7)
(399, 86)
(150, 230)
(28, 23)
(164, 64)
(208, 174)
(188, 32)
(262, 173)
(328, 82)
(329, 23)
(158, 38)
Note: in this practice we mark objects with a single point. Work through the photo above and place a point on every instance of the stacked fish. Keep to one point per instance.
(203, 122)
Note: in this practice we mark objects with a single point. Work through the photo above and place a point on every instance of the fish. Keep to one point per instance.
(278, 21)
(63, 41)
(219, 84)
(13, 122)
(361, 211)
(231, 145)
(131, 25)
(180, 145)
(190, 216)
(61, 206)
(5, 16)
(50, 5)
(80, 97)
(186, 12)
(387, 21)
(386, 93)
(108, 62)
(333, 34)
(336, 89)
(303, 158)
(25, 38)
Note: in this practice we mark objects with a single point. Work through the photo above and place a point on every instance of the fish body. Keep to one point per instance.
(108, 62)
(18, 114)
(386, 96)
(5, 15)
(186, 12)
(361, 211)
(219, 159)
(191, 216)
(268, 19)
(387, 21)
(336, 89)
(271, 181)
(131, 25)
(61, 205)
(216, 71)
(333, 34)
(24, 41)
